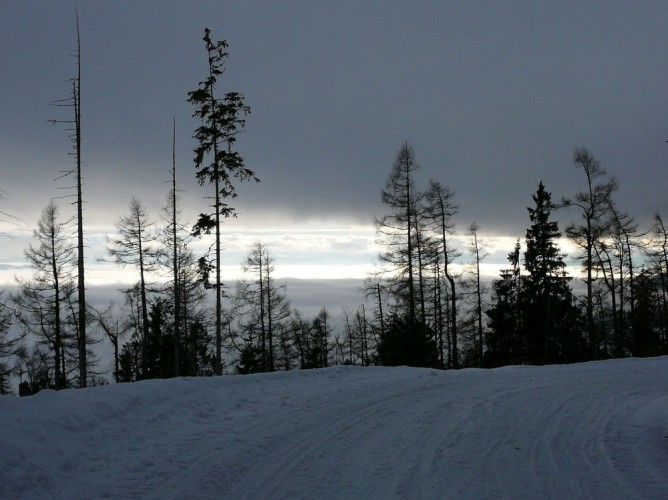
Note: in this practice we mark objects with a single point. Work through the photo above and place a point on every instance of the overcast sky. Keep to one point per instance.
(494, 97)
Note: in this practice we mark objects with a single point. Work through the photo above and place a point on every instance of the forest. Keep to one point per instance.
(418, 309)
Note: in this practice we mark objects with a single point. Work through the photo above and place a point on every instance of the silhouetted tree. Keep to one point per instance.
(549, 317)
(9, 344)
(133, 247)
(440, 209)
(397, 229)
(41, 303)
(407, 343)
(261, 306)
(478, 289)
(657, 254)
(646, 336)
(74, 102)
(504, 343)
(593, 204)
(114, 327)
(222, 120)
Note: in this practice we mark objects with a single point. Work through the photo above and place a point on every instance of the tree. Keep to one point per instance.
(406, 343)
(657, 254)
(261, 306)
(478, 256)
(546, 296)
(311, 339)
(9, 344)
(74, 102)
(646, 337)
(175, 259)
(41, 303)
(223, 119)
(109, 321)
(614, 262)
(504, 342)
(440, 209)
(132, 247)
(593, 204)
(397, 229)
(357, 338)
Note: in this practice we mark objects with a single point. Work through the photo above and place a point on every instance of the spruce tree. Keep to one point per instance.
(222, 119)
(546, 297)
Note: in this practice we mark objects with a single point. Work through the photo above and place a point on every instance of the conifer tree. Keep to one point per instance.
(42, 302)
(546, 298)
(222, 120)
(132, 247)
(397, 230)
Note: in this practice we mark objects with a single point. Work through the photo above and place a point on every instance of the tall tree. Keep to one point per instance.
(41, 302)
(223, 119)
(657, 253)
(397, 229)
(74, 102)
(440, 210)
(132, 247)
(261, 306)
(546, 295)
(593, 203)
(478, 255)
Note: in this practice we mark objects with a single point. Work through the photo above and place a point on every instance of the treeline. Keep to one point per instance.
(166, 325)
(181, 319)
(536, 313)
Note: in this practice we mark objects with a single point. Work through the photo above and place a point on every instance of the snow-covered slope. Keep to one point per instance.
(595, 430)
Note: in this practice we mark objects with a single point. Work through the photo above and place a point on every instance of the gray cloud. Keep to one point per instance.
(494, 97)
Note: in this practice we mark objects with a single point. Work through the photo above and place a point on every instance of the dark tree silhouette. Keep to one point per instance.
(593, 204)
(41, 303)
(74, 102)
(132, 247)
(223, 119)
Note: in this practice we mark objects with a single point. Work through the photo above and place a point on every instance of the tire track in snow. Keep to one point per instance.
(345, 422)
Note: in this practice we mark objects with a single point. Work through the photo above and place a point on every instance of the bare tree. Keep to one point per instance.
(479, 255)
(593, 203)
(41, 302)
(439, 211)
(74, 102)
(132, 247)
(114, 327)
(261, 306)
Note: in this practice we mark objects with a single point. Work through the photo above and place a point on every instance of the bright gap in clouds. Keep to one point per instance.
(306, 252)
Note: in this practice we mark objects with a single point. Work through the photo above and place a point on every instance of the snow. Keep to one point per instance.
(593, 430)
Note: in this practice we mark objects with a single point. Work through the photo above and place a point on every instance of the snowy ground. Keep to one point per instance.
(595, 430)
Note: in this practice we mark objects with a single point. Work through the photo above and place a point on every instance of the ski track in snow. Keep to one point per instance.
(593, 430)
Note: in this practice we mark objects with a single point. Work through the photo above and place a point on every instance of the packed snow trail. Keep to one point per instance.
(593, 430)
